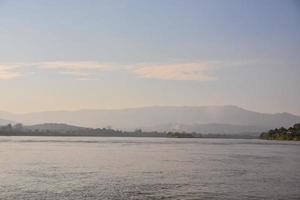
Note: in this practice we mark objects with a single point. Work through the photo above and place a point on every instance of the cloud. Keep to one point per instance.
(88, 70)
(186, 71)
(74, 66)
(8, 72)
(82, 70)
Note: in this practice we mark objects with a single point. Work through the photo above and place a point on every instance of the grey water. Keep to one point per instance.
(148, 168)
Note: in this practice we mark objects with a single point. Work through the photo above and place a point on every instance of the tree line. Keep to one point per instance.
(292, 133)
(20, 130)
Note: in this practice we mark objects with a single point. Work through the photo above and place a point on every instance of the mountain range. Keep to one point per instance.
(202, 119)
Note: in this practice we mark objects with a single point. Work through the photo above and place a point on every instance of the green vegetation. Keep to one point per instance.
(68, 130)
(20, 130)
(181, 135)
(292, 133)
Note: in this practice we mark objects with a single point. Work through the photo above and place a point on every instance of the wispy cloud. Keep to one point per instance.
(195, 71)
(8, 72)
(82, 70)
(88, 70)
(73, 65)
(185, 71)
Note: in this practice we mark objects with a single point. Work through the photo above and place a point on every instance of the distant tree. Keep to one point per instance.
(18, 126)
(8, 127)
(138, 130)
(282, 130)
(297, 126)
(292, 133)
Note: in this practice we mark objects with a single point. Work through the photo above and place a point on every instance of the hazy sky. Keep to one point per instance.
(67, 54)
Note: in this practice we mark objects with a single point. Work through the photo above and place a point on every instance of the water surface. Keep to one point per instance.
(147, 168)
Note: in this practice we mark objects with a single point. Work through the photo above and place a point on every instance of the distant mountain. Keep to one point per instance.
(212, 128)
(58, 127)
(224, 119)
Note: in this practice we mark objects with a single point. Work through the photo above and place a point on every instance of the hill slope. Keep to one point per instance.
(5, 122)
(165, 118)
(58, 127)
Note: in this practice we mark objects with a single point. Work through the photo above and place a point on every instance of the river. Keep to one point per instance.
(76, 168)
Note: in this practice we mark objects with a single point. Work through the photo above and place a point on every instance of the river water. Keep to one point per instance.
(76, 168)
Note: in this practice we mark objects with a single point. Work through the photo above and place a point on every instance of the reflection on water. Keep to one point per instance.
(147, 168)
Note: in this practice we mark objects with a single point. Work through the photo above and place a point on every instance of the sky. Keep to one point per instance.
(92, 54)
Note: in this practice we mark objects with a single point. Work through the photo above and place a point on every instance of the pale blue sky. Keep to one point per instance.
(67, 54)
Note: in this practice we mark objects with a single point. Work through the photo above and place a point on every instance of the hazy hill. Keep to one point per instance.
(58, 127)
(5, 122)
(209, 128)
(200, 119)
